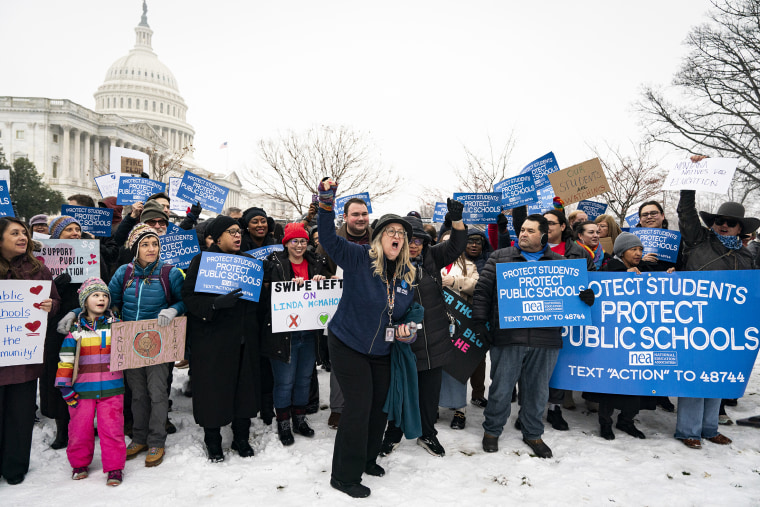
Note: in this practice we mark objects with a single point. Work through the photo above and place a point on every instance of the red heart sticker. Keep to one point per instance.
(33, 326)
(41, 259)
(36, 290)
(37, 305)
(92, 256)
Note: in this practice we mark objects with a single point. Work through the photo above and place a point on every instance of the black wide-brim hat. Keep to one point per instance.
(390, 218)
(731, 210)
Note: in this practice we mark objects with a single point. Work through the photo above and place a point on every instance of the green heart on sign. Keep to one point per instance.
(323, 318)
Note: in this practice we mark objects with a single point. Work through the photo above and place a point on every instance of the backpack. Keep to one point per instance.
(163, 276)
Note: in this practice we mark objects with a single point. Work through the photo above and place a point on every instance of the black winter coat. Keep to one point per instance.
(225, 358)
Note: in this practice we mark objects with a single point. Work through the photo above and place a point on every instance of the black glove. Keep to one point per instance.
(195, 210)
(447, 221)
(587, 296)
(455, 209)
(501, 223)
(62, 281)
(482, 333)
(226, 300)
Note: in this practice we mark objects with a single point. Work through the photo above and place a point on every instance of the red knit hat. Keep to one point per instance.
(293, 231)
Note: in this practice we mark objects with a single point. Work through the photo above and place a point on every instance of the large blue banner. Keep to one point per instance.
(541, 168)
(221, 273)
(179, 248)
(517, 191)
(193, 189)
(542, 294)
(439, 213)
(6, 208)
(96, 221)
(263, 252)
(662, 242)
(482, 208)
(341, 201)
(592, 209)
(136, 189)
(680, 334)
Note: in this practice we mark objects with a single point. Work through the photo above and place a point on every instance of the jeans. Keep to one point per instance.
(697, 418)
(533, 367)
(110, 433)
(453, 393)
(292, 380)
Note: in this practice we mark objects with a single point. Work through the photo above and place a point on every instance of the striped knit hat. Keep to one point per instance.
(89, 287)
(59, 224)
(137, 234)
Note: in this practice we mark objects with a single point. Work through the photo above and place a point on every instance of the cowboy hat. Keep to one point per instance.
(731, 210)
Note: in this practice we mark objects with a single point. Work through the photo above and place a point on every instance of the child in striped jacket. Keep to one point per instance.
(93, 387)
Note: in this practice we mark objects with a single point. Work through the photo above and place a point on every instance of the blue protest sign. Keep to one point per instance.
(545, 201)
(221, 273)
(193, 189)
(341, 201)
(263, 252)
(511, 227)
(666, 335)
(439, 213)
(517, 191)
(6, 208)
(632, 219)
(96, 221)
(541, 168)
(542, 294)
(481, 208)
(592, 209)
(172, 228)
(179, 248)
(135, 189)
(662, 242)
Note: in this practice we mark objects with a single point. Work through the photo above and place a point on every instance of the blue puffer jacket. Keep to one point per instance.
(141, 300)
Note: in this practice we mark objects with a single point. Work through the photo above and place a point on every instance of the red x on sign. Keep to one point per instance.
(295, 320)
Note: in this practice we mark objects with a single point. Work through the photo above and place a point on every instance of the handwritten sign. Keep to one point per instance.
(220, 273)
(6, 208)
(666, 335)
(304, 307)
(340, 202)
(470, 351)
(96, 221)
(139, 343)
(439, 213)
(579, 182)
(193, 188)
(663, 242)
(132, 190)
(264, 252)
(541, 168)
(22, 322)
(708, 175)
(480, 208)
(126, 161)
(542, 294)
(80, 258)
(175, 203)
(592, 209)
(517, 191)
(179, 248)
(108, 184)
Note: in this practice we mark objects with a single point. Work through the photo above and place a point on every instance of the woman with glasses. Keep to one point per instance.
(608, 228)
(293, 354)
(652, 215)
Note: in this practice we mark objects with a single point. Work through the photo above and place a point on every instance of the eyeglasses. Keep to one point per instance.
(731, 222)
(473, 241)
(416, 242)
(157, 221)
(298, 241)
(234, 232)
(649, 214)
(552, 223)
(394, 233)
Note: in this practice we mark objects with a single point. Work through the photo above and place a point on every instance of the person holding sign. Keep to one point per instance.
(652, 215)
(377, 291)
(223, 331)
(18, 384)
(292, 354)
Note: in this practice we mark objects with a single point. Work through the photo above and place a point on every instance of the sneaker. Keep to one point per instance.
(242, 447)
(389, 445)
(431, 445)
(720, 439)
(554, 417)
(333, 420)
(692, 443)
(722, 419)
(490, 443)
(114, 478)
(134, 449)
(155, 457)
(80, 473)
(458, 422)
(479, 402)
(354, 490)
(539, 447)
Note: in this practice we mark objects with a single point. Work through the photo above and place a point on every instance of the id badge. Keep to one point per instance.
(390, 333)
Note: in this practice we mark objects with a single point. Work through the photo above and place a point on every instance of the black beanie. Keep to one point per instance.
(219, 225)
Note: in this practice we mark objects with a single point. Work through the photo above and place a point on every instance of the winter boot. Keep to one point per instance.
(459, 420)
(240, 432)
(554, 417)
(61, 434)
(213, 439)
(283, 426)
(300, 424)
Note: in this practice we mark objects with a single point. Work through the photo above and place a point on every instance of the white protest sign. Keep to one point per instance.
(305, 307)
(108, 184)
(22, 322)
(132, 162)
(708, 175)
(175, 203)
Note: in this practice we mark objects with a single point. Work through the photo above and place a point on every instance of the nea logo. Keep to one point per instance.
(533, 306)
(640, 358)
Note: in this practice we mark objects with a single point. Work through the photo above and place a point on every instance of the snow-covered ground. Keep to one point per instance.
(585, 469)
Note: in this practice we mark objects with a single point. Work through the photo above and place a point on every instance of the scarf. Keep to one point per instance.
(597, 255)
(730, 242)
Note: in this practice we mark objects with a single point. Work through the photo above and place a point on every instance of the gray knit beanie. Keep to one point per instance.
(625, 241)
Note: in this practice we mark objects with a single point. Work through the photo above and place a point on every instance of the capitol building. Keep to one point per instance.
(138, 107)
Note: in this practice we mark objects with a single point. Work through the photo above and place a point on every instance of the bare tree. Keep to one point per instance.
(295, 162)
(428, 198)
(479, 174)
(166, 163)
(718, 86)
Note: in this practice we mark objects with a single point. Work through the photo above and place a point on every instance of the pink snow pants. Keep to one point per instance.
(110, 432)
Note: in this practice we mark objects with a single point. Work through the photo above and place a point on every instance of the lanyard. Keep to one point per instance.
(391, 298)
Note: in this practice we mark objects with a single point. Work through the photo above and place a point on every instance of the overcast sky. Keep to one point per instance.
(422, 78)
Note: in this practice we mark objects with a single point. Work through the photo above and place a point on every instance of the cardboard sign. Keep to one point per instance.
(592, 209)
(96, 221)
(141, 343)
(340, 202)
(542, 294)
(304, 307)
(579, 182)
(22, 323)
(663, 242)
(108, 184)
(439, 213)
(541, 168)
(607, 244)
(6, 208)
(193, 188)
(175, 203)
(80, 258)
(264, 252)
(470, 351)
(665, 335)
(221, 273)
(179, 248)
(544, 203)
(708, 175)
(132, 190)
(126, 161)
(517, 191)
(482, 208)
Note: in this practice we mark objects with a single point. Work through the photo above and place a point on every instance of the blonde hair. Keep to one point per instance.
(613, 229)
(402, 261)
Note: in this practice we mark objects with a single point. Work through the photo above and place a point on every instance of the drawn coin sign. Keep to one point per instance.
(147, 344)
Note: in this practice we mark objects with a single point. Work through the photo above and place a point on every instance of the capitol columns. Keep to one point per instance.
(66, 170)
(77, 172)
(86, 174)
